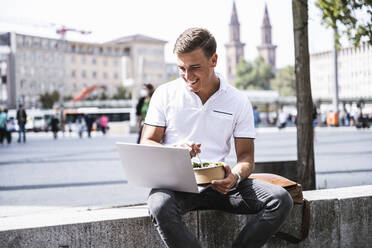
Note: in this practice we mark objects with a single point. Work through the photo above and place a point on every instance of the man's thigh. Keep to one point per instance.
(249, 197)
(184, 201)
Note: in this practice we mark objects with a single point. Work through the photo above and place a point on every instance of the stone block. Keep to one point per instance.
(356, 222)
(218, 229)
(323, 230)
(132, 232)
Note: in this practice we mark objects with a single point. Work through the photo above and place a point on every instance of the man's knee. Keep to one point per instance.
(161, 204)
(282, 202)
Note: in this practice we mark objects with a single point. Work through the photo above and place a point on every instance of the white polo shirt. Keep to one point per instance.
(226, 113)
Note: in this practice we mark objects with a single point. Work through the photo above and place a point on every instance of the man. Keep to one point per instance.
(200, 106)
(3, 118)
(22, 119)
(256, 116)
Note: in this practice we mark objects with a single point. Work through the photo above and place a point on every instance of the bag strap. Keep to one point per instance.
(304, 228)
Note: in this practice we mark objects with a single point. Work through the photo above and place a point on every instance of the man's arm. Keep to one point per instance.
(152, 135)
(244, 149)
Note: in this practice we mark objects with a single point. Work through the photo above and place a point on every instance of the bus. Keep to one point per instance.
(119, 118)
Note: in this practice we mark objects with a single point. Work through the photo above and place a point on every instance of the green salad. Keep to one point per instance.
(207, 164)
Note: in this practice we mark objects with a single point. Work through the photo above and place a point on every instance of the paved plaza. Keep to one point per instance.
(45, 174)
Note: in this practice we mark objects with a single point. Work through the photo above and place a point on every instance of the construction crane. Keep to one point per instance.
(63, 30)
(59, 29)
(87, 91)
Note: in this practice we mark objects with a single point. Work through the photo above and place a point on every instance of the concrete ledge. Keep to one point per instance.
(339, 218)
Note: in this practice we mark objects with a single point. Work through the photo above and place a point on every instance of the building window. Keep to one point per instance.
(105, 76)
(83, 60)
(23, 83)
(73, 73)
(116, 76)
(115, 62)
(94, 74)
(105, 62)
(94, 61)
(73, 59)
(84, 74)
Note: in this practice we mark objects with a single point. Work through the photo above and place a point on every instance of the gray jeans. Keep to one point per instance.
(271, 205)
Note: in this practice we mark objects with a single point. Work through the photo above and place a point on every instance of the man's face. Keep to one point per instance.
(197, 70)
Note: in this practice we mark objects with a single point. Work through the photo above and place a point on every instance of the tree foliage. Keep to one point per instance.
(121, 93)
(254, 75)
(285, 81)
(48, 99)
(350, 17)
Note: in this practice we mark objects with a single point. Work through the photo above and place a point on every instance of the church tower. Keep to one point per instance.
(234, 49)
(267, 49)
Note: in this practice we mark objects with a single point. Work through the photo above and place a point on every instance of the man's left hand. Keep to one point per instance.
(224, 185)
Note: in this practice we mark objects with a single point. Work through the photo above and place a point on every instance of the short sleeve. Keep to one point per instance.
(244, 127)
(156, 115)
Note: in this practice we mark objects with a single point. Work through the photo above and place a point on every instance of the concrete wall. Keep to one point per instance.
(339, 218)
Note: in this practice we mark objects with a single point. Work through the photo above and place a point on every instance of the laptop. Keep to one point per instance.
(158, 167)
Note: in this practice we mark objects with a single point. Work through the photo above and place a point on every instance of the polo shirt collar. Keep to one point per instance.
(223, 84)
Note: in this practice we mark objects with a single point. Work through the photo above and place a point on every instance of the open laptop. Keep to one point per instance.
(158, 167)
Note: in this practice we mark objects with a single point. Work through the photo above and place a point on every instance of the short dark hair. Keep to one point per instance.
(195, 38)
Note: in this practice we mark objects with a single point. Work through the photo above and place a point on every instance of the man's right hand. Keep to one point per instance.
(193, 147)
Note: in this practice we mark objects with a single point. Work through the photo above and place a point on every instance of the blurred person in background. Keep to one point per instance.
(89, 122)
(283, 119)
(80, 126)
(22, 119)
(3, 118)
(55, 126)
(256, 116)
(142, 107)
(10, 127)
(103, 123)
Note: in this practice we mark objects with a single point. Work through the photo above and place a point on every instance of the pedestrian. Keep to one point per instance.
(55, 126)
(202, 112)
(21, 119)
(10, 127)
(256, 116)
(142, 107)
(89, 122)
(283, 119)
(103, 123)
(3, 119)
(80, 126)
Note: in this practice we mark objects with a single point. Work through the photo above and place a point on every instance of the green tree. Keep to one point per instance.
(48, 99)
(67, 98)
(285, 81)
(350, 17)
(103, 96)
(253, 76)
(121, 93)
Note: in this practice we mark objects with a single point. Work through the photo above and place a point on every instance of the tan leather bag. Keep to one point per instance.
(295, 190)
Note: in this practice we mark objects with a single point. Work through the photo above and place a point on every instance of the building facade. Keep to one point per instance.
(266, 49)
(235, 48)
(145, 62)
(354, 74)
(91, 65)
(36, 65)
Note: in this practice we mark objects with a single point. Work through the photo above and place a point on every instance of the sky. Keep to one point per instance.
(166, 20)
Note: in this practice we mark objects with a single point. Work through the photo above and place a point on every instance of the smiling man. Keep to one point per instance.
(201, 111)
